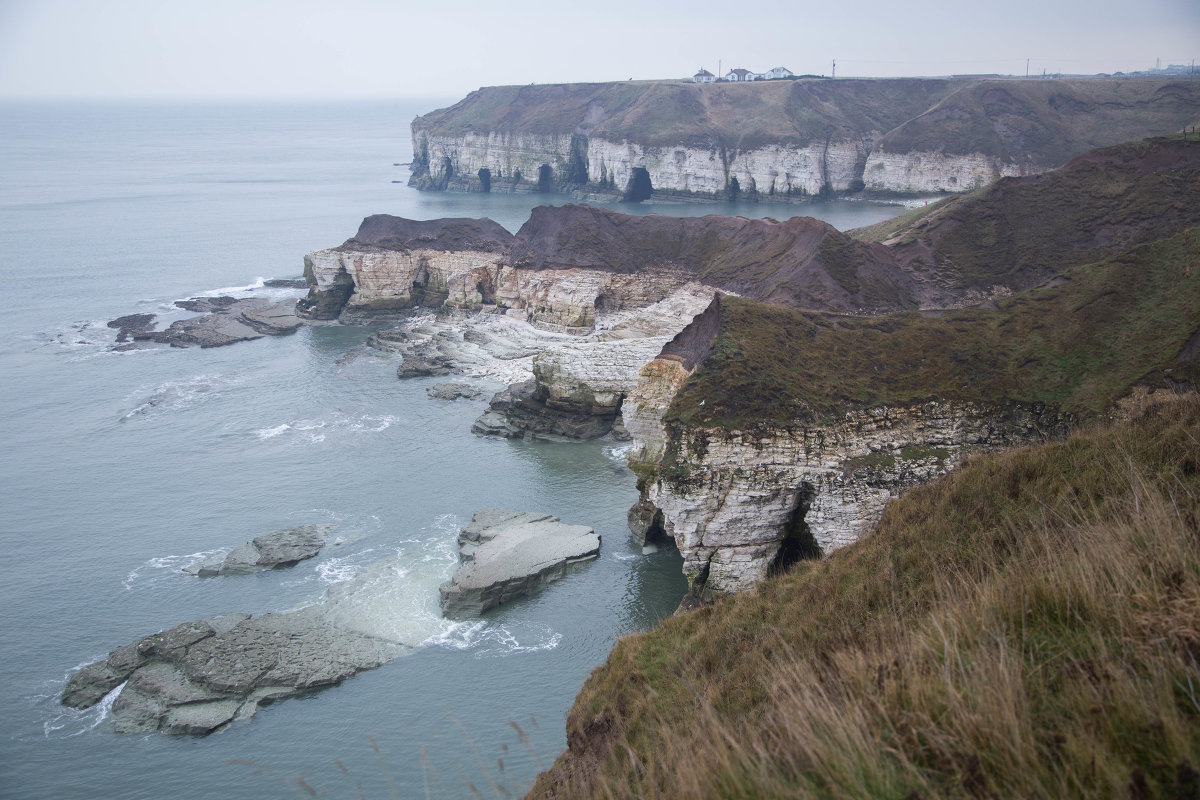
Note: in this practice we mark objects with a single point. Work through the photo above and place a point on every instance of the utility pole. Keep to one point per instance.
(834, 68)
(1027, 68)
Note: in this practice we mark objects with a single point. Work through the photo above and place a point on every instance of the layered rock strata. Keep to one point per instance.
(509, 554)
(783, 139)
(740, 500)
(738, 503)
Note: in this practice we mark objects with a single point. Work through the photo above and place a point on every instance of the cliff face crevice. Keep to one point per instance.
(785, 139)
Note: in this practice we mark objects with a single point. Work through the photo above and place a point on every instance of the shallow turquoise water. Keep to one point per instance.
(122, 467)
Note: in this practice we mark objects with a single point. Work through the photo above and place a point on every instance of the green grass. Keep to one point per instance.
(1078, 346)
(1027, 626)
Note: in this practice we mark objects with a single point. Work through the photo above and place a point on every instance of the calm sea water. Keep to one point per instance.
(119, 468)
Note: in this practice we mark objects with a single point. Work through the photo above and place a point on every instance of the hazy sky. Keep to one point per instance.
(369, 48)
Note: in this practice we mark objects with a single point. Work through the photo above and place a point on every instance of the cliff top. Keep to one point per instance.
(1043, 121)
(386, 232)
(800, 262)
(1078, 343)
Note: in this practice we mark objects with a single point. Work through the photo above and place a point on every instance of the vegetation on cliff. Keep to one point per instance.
(1020, 231)
(1042, 122)
(1078, 344)
(1028, 626)
(1108, 241)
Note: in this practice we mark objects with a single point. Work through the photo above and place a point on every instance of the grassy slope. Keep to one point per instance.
(1044, 122)
(1020, 231)
(1028, 626)
(1079, 345)
(1047, 121)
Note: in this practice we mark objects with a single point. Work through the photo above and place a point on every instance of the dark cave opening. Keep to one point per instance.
(545, 182)
(639, 187)
(485, 179)
(734, 189)
(798, 542)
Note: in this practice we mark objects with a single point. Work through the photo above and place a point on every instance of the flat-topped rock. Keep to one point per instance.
(508, 554)
(199, 676)
(283, 548)
(228, 320)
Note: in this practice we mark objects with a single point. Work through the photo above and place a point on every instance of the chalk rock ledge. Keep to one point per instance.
(508, 554)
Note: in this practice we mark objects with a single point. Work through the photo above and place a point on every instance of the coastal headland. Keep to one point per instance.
(783, 139)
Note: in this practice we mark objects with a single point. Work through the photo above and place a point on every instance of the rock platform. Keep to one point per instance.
(508, 554)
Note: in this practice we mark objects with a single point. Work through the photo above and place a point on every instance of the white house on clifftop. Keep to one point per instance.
(740, 75)
(703, 76)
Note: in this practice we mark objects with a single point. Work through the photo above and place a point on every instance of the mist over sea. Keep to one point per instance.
(119, 468)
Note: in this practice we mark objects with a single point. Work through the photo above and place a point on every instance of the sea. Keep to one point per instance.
(119, 468)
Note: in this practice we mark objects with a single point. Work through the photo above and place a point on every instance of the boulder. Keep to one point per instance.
(508, 554)
(199, 676)
(283, 548)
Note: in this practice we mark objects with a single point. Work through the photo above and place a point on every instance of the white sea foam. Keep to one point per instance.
(154, 571)
(271, 433)
(226, 291)
(178, 394)
(68, 722)
(488, 640)
(618, 452)
(316, 430)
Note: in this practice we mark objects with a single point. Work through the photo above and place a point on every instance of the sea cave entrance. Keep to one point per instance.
(545, 182)
(639, 187)
(485, 179)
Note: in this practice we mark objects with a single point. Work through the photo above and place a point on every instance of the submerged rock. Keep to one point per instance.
(199, 676)
(282, 548)
(509, 554)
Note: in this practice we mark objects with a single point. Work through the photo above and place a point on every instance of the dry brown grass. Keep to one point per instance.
(1027, 627)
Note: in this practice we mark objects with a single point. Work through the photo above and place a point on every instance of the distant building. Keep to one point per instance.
(739, 74)
(703, 76)
(777, 72)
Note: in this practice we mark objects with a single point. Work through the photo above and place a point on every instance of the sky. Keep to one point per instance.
(304, 49)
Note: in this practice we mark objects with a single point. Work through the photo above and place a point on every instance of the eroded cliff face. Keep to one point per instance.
(507, 162)
(783, 139)
(925, 172)
(563, 300)
(740, 502)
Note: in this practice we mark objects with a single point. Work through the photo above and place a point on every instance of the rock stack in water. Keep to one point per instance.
(509, 554)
